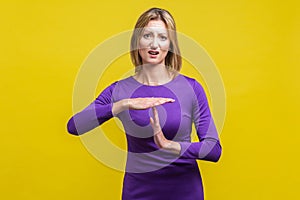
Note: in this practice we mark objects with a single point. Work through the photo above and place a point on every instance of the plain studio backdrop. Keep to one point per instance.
(254, 44)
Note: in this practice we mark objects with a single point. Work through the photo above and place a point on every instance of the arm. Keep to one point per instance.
(102, 109)
(99, 111)
(208, 148)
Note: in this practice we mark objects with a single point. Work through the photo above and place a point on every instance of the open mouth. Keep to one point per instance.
(153, 52)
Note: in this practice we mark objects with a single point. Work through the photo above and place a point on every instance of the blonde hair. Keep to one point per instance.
(173, 59)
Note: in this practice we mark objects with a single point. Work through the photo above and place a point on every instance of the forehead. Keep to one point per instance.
(156, 25)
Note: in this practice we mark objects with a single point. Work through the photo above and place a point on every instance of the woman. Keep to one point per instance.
(157, 107)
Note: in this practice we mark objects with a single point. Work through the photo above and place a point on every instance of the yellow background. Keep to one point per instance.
(255, 45)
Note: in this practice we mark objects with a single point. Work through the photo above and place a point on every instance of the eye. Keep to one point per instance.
(147, 35)
(163, 38)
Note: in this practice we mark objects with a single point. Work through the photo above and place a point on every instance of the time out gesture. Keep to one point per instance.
(145, 103)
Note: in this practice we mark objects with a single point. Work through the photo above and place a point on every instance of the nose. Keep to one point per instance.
(154, 43)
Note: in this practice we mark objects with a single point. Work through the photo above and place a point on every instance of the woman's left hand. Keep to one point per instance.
(160, 140)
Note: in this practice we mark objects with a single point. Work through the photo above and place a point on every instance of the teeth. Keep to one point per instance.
(153, 52)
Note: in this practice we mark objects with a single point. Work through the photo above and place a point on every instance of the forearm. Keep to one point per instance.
(88, 119)
(208, 149)
(99, 111)
(166, 144)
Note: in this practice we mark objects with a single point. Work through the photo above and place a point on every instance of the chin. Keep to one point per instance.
(154, 63)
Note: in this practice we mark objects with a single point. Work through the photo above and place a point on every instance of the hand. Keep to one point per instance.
(160, 140)
(138, 103)
(146, 102)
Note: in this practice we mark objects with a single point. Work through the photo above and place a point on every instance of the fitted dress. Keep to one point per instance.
(152, 173)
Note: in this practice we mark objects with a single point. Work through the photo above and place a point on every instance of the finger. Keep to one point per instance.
(155, 117)
(165, 100)
(156, 103)
(159, 101)
(149, 102)
(158, 98)
(169, 99)
(155, 113)
(162, 101)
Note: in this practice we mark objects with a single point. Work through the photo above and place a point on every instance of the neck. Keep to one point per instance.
(154, 75)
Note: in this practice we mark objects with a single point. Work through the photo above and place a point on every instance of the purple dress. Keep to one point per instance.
(153, 173)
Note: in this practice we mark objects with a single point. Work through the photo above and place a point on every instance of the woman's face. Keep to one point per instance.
(154, 43)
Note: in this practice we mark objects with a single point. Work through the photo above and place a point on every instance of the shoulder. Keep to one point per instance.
(116, 83)
(124, 80)
(195, 86)
(110, 87)
(122, 88)
(193, 82)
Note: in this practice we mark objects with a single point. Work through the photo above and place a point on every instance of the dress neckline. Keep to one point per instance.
(167, 83)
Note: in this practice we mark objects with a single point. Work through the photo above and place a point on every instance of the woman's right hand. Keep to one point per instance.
(147, 102)
(139, 103)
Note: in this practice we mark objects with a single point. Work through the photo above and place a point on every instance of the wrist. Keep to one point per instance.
(120, 106)
(126, 104)
(173, 147)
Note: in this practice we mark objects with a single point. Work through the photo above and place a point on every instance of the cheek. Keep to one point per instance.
(165, 45)
(143, 43)
(141, 52)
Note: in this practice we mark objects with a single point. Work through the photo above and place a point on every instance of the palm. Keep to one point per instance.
(159, 138)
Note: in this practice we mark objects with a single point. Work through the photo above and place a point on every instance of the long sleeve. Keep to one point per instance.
(99, 111)
(208, 148)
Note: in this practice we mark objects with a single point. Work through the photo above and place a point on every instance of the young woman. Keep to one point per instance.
(157, 106)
